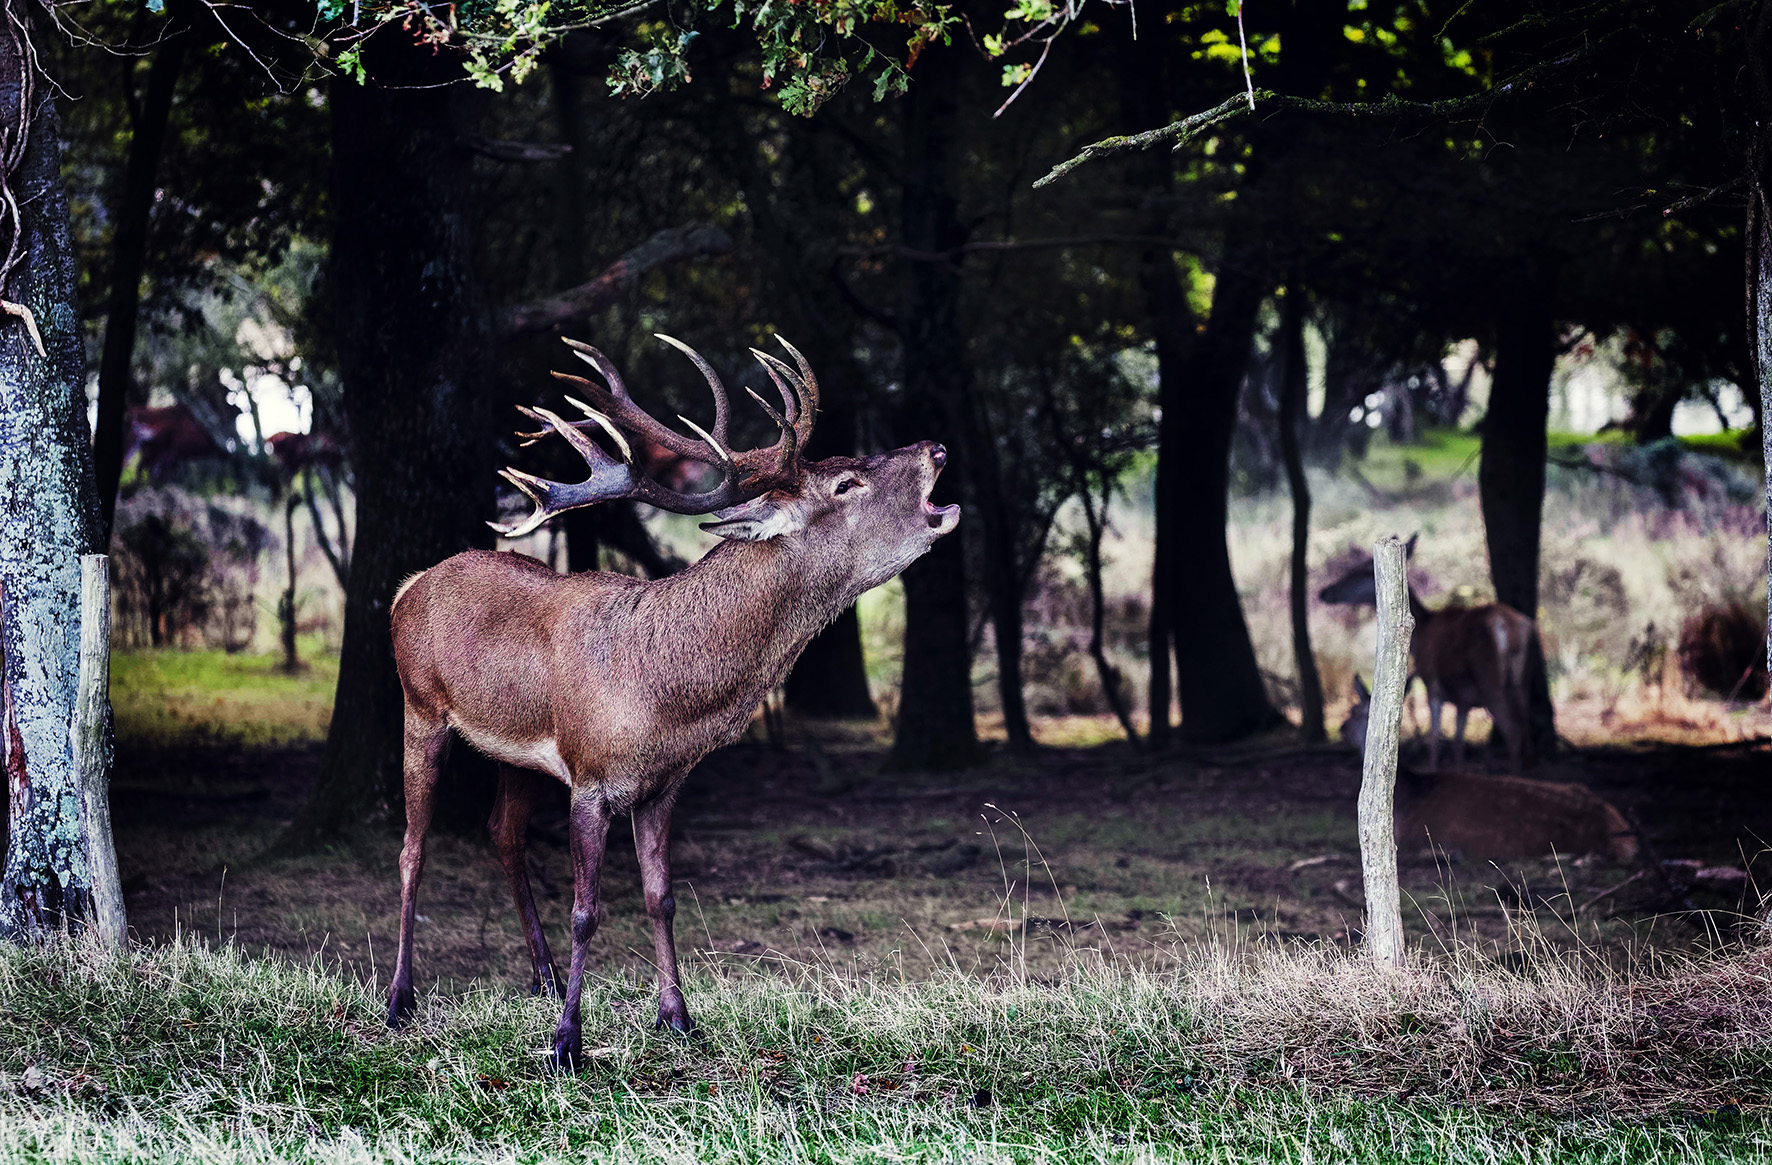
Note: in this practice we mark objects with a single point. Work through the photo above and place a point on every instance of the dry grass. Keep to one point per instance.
(1229, 1052)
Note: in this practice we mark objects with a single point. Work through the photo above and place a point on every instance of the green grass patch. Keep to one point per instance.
(1438, 456)
(181, 1052)
(1435, 457)
(1734, 444)
(175, 697)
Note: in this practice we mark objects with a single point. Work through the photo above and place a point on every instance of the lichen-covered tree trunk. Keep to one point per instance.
(413, 344)
(48, 519)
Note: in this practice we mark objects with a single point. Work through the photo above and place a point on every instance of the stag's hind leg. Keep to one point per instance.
(589, 828)
(652, 842)
(517, 790)
(427, 744)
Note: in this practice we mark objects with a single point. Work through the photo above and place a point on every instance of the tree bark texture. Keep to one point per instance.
(1003, 577)
(1510, 479)
(129, 248)
(1759, 258)
(935, 720)
(570, 172)
(616, 525)
(49, 503)
(1222, 695)
(1292, 409)
(413, 336)
(1144, 105)
(91, 732)
(831, 677)
(1378, 775)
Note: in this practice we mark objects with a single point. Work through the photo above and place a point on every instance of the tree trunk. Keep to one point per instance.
(49, 503)
(286, 605)
(129, 246)
(1144, 106)
(1003, 577)
(1510, 480)
(569, 174)
(1222, 695)
(1759, 308)
(935, 724)
(91, 733)
(413, 333)
(1096, 524)
(1292, 408)
(1378, 774)
(831, 676)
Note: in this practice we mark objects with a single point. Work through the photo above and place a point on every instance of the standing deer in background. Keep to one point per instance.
(1469, 657)
(617, 686)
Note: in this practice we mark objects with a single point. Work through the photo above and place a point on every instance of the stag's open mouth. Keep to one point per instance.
(937, 516)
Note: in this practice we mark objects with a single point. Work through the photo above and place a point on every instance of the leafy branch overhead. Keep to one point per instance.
(809, 51)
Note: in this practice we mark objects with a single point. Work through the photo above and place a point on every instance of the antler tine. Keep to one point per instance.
(621, 442)
(721, 407)
(808, 382)
(777, 371)
(713, 443)
(620, 407)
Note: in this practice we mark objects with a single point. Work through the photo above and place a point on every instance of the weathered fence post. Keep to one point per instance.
(1378, 780)
(90, 730)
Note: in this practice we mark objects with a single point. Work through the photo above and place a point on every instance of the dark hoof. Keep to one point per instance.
(567, 1054)
(402, 1002)
(680, 1025)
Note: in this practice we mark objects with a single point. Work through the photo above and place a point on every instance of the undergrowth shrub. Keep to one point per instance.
(1723, 650)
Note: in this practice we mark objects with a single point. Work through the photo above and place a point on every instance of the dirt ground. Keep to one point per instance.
(809, 852)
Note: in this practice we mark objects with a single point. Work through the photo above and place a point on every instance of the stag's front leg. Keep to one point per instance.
(652, 841)
(589, 834)
(427, 743)
(1460, 714)
(517, 789)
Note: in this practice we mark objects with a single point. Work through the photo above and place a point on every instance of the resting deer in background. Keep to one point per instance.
(1469, 657)
(616, 686)
(1498, 818)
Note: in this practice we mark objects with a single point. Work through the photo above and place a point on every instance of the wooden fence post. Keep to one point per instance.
(1378, 779)
(91, 732)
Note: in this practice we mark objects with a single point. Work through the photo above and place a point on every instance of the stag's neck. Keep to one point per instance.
(743, 612)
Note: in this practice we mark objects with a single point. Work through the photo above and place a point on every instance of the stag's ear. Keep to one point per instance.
(1360, 689)
(757, 520)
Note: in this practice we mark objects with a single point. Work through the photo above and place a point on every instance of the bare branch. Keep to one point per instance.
(691, 241)
(1178, 134)
(503, 151)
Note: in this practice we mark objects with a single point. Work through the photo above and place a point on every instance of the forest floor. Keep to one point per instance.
(810, 854)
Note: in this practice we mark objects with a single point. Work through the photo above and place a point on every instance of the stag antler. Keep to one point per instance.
(743, 475)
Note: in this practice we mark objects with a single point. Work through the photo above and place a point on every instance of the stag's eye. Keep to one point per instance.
(846, 485)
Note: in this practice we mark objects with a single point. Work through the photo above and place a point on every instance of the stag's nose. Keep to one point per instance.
(939, 455)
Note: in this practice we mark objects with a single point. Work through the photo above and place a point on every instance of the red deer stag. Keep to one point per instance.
(1469, 657)
(617, 686)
